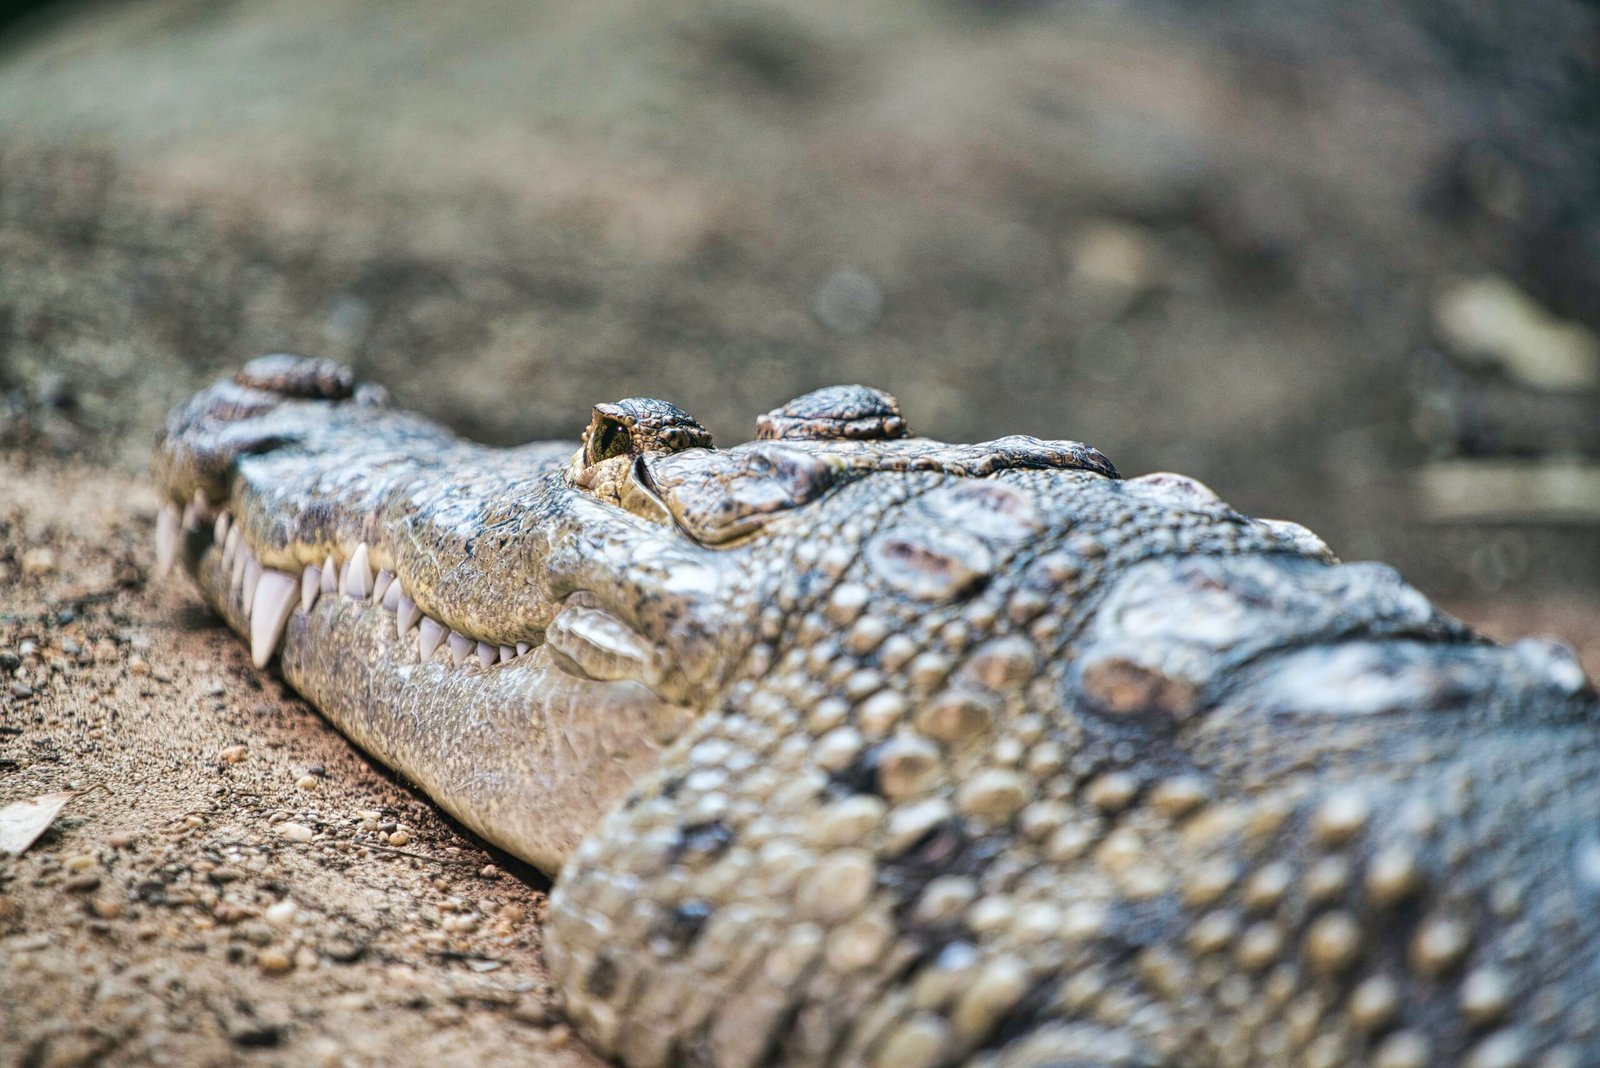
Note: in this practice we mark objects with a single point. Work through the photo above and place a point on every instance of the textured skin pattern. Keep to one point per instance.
(984, 756)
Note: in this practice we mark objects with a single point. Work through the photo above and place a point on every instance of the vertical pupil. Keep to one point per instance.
(612, 441)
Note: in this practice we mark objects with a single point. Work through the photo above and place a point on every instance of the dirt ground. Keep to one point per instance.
(233, 882)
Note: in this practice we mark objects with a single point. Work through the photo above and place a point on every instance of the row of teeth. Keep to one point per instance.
(269, 596)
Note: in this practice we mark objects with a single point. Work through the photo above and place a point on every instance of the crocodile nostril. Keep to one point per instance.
(858, 413)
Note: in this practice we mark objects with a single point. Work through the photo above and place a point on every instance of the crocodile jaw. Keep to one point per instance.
(479, 738)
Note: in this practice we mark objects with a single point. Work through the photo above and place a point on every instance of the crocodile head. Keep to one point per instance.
(598, 595)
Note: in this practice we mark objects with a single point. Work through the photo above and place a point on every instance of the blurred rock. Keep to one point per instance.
(1490, 321)
(1114, 263)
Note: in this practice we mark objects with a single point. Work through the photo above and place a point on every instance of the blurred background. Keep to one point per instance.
(1339, 261)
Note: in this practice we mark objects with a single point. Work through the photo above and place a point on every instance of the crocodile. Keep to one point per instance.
(848, 746)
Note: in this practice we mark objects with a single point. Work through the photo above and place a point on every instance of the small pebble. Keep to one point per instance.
(399, 838)
(280, 914)
(307, 782)
(343, 950)
(274, 961)
(82, 884)
(296, 832)
(233, 754)
(105, 908)
(37, 561)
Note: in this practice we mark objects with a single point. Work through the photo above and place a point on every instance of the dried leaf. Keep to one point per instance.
(23, 822)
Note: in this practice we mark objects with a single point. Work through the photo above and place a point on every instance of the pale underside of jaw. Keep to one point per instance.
(526, 744)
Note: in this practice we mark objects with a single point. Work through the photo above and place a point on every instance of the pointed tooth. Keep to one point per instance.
(390, 597)
(523, 647)
(219, 531)
(330, 576)
(428, 638)
(274, 603)
(380, 585)
(252, 579)
(487, 654)
(241, 556)
(461, 647)
(310, 583)
(191, 516)
(507, 654)
(230, 547)
(166, 539)
(406, 614)
(358, 575)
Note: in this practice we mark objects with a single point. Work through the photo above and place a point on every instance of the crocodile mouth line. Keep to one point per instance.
(585, 640)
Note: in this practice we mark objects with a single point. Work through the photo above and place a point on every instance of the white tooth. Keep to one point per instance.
(487, 654)
(274, 603)
(230, 547)
(310, 580)
(380, 585)
(241, 555)
(191, 516)
(507, 654)
(252, 578)
(523, 647)
(201, 505)
(406, 614)
(461, 647)
(219, 532)
(330, 576)
(358, 575)
(166, 539)
(429, 637)
(391, 594)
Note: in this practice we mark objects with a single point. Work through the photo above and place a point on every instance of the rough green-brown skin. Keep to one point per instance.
(982, 754)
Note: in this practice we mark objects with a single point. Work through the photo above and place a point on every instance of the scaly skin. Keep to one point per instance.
(884, 751)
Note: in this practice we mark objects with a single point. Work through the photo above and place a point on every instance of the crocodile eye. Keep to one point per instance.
(638, 426)
(607, 438)
(858, 413)
(611, 463)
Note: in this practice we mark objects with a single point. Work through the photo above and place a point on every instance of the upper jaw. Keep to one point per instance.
(616, 596)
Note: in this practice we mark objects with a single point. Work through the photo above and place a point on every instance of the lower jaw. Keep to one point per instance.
(522, 753)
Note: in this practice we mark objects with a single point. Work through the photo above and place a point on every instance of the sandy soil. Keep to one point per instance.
(233, 882)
